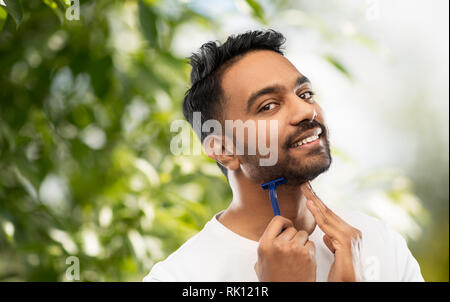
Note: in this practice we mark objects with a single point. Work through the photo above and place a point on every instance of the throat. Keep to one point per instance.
(251, 224)
(245, 226)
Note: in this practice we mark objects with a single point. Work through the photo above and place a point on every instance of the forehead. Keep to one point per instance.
(255, 71)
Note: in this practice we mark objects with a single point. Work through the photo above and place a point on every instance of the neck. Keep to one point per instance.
(251, 211)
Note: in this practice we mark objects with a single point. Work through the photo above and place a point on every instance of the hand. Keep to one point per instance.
(285, 254)
(342, 239)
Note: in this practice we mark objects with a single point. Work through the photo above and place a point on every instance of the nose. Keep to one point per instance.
(301, 110)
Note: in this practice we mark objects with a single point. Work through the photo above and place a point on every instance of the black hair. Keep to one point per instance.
(209, 63)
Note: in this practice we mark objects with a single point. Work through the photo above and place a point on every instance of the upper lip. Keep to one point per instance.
(306, 134)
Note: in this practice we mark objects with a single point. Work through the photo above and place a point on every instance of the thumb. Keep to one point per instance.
(328, 243)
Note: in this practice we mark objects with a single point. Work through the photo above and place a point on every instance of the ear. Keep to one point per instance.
(221, 149)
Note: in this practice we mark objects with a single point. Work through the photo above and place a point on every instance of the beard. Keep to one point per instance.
(295, 169)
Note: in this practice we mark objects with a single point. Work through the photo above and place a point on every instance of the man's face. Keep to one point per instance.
(262, 86)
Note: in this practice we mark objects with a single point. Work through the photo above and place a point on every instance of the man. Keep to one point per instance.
(248, 79)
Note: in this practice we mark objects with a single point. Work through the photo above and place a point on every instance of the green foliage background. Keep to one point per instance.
(80, 111)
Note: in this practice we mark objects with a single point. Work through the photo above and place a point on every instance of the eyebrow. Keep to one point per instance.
(277, 88)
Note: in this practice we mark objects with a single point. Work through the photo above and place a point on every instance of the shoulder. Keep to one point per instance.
(364, 222)
(373, 229)
(384, 244)
(183, 261)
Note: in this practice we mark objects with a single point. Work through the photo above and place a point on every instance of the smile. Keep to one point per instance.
(308, 141)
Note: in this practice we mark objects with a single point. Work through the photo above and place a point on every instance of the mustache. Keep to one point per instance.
(302, 127)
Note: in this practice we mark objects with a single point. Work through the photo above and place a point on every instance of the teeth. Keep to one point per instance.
(305, 141)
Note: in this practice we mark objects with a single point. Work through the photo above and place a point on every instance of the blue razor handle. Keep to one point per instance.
(271, 185)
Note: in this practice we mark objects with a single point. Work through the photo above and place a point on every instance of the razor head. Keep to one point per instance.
(274, 183)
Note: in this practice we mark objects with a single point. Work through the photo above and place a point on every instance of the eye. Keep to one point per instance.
(307, 96)
(267, 107)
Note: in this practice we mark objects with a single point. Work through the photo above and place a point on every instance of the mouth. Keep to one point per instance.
(309, 138)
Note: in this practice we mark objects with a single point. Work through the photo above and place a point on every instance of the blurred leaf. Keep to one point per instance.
(257, 10)
(3, 15)
(370, 43)
(338, 65)
(58, 7)
(100, 70)
(14, 8)
(148, 19)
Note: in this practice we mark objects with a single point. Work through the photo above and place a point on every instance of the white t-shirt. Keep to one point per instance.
(218, 254)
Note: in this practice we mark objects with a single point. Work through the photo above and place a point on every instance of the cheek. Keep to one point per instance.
(265, 133)
(320, 115)
(269, 136)
(259, 136)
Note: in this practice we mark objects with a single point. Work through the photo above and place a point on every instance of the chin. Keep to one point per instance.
(294, 170)
(307, 173)
(310, 226)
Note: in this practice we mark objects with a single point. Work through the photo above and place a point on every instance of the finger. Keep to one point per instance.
(328, 243)
(300, 238)
(315, 211)
(287, 234)
(256, 268)
(275, 227)
(311, 248)
(322, 221)
(309, 193)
